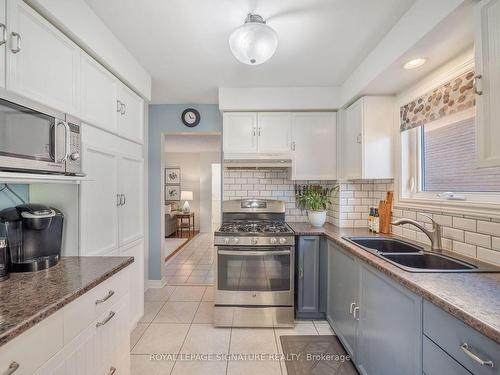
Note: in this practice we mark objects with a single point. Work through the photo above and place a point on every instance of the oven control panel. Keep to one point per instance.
(254, 241)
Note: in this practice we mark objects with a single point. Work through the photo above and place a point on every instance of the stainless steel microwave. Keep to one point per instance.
(37, 139)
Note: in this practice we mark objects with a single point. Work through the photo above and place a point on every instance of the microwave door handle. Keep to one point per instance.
(254, 253)
(67, 140)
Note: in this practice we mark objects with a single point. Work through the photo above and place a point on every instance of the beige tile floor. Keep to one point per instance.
(178, 320)
(194, 264)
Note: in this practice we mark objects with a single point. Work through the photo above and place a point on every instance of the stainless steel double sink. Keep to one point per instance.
(414, 258)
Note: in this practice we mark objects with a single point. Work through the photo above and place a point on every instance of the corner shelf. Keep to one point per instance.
(28, 178)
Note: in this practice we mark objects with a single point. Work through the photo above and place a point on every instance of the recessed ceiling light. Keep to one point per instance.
(254, 42)
(415, 63)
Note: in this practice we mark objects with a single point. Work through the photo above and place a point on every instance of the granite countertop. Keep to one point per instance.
(28, 298)
(471, 297)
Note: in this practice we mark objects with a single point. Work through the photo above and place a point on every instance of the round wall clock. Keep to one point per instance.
(190, 117)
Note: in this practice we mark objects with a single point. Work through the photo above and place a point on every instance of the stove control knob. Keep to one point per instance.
(236, 240)
(255, 241)
(226, 241)
(282, 240)
(273, 240)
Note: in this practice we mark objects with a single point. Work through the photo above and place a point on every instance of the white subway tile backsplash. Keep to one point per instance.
(495, 242)
(488, 227)
(487, 255)
(478, 239)
(453, 234)
(466, 224)
(444, 220)
(465, 249)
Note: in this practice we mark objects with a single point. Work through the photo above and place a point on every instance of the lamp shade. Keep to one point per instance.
(186, 195)
(254, 42)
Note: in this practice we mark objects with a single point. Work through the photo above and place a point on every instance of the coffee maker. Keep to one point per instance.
(34, 236)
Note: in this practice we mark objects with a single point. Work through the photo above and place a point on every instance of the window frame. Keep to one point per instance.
(408, 179)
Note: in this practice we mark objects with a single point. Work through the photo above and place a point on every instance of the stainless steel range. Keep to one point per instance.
(255, 265)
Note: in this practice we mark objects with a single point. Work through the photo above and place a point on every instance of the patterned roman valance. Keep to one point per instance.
(451, 97)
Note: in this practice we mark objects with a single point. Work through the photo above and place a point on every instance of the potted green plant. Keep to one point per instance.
(315, 199)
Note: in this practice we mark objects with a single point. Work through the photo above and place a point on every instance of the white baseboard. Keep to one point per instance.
(156, 283)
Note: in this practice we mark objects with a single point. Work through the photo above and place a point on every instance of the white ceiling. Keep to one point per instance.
(193, 143)
(184, 43)
(450, 38)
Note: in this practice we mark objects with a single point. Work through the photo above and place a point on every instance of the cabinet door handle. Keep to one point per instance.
(359, 139)
(260, 129)
(118, 106)
(108, 318)
(123, 199)
(254, 131)
(301, 273)
(123, 109)
(478, 89)
(293, 146)
(4, 34)
(17, 37)
(105, 298)
(112, 370)
(118, 200)
(351, 307)
(467, 350)
(12, 368)
(355, 313)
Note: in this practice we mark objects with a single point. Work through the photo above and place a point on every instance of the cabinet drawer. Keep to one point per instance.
(112, 336)
(437, 362)
(87, 308)
(34, 347)
(451, 334)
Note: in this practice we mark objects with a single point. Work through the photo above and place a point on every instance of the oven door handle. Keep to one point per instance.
(254, 253)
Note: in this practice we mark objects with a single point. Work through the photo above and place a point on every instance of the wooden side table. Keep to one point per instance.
(182, 224)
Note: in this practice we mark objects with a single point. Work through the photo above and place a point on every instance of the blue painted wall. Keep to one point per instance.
(7, 199)
(166, 118)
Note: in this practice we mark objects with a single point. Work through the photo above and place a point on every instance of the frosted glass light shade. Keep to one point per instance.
(186, 195)
(254, 42)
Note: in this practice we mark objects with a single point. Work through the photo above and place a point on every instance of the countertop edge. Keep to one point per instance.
(53, 308)
(468, 319)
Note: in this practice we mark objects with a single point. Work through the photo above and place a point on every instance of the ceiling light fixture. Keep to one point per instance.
(415, 63)
(254, 42)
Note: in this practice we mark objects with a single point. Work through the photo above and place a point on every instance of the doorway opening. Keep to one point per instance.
(192, 193)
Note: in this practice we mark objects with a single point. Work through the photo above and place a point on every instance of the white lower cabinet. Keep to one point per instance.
(89, 336)
(136, 283)
(33, 347)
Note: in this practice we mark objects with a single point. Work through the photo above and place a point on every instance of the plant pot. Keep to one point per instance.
(317, 218)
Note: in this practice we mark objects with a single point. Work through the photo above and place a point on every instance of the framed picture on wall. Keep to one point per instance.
(172, 176)
(172, 193)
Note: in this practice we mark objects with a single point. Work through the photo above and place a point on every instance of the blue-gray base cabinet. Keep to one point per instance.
(311, 277)
(387, 329)
(378, 321)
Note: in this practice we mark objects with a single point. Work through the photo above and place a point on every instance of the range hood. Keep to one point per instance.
(257, 163)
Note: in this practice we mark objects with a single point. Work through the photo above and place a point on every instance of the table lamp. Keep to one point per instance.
(186, 196)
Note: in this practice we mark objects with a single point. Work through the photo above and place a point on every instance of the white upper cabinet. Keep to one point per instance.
(3, 41)
(240, 132)
(365, 139)
(42, 63)
(130, 114)
(99, 95)
(314, 139)
(274, 130)
(487, 49)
